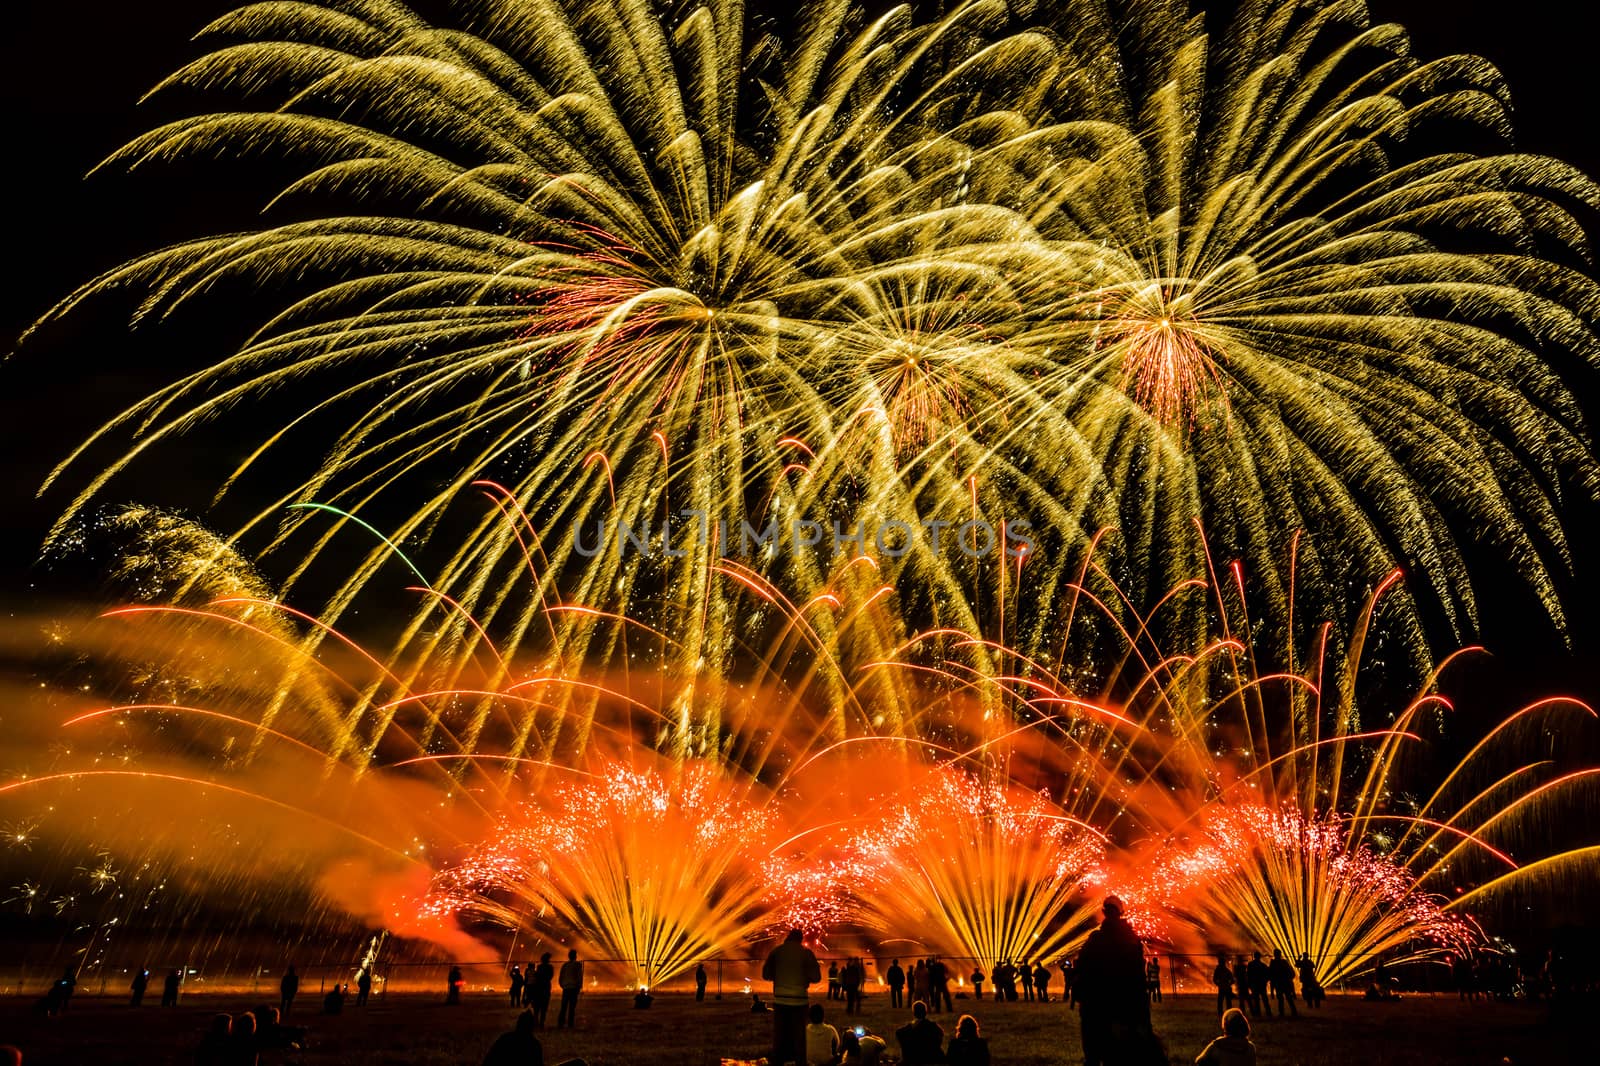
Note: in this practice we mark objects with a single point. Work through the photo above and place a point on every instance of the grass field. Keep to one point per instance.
(676, 1031)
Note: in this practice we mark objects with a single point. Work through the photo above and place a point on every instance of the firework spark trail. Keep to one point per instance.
(648, 867)
(1302, 836)
(1116, 274)
(977, 868)
(1253, 799)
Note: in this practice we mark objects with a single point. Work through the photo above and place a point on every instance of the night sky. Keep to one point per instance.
(72, 74)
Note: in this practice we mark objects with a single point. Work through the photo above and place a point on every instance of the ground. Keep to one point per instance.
(418, 1030)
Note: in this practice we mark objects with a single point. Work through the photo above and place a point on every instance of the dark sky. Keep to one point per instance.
(72, 74)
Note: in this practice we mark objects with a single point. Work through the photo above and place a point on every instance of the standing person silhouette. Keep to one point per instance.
(851, 978)
(571, 982)
(1281, 976)
(537, 992)
(141, 981)
(1006, 981)
(939, 984)
(977, 982)
(793, 969)
(700, 982)
(833, 978)
(516, 985)
(1241, 983)
(1152, 979)
(288, 988)
(1041, 981)
(363, 986)
(1222, 977)
(55, 1000)
(1310, 987)
(1025, 979)
(169, 988)
(1259, 977)
(897, 981)
(1108, 981)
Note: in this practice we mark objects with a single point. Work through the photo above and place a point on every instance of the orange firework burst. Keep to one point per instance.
(978, 868)
(1305, 835)
(650, 867)
(1167, 365)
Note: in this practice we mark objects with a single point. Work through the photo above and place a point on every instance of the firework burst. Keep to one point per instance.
(976, 868)
(632, 261)
(653, 870)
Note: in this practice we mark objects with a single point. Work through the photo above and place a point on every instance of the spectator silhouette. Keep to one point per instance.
(1152, 979)
(1233, 1047)
(850, 979)
(1005, 981)
(288, 988)
(1222, 977)
(700, 982)
(833, 979)
(897, 981)
(571, 982)
(1281, 976)
(1386, 984)
(1461, 971)
(363, 986)
(243, 1049)
(516, 985)
(1258, 975)
(822, 1039)
(519, 1047)
(141, 981)
(333, 1002)
(59, 994)
(862, 1050)
(217, 1045)
(1041, 982)
(1025, 979)
(939, 984)
(921, 1041)
(169, 988)
(272, 1034)
(1109, 985)
(1241, 983)
(967, 1048)
(919, 981)
(977, 983)
(793, 969)
(538, 991)
(1310, 987)
(1066, 983)
(453, 982)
